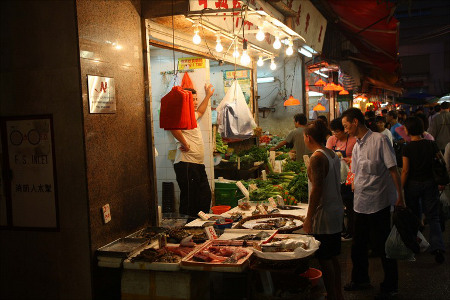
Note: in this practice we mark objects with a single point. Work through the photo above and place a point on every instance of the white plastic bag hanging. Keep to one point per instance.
(234, 118)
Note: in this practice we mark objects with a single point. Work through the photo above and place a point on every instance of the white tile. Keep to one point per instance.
(161, 173)
(167, 163)
(170, 174)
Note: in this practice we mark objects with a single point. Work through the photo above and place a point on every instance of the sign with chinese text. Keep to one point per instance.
(308, 22)
(102, 95)
(32, 190)
(188, 63)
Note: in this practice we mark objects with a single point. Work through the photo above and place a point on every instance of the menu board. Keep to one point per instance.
(30, 184)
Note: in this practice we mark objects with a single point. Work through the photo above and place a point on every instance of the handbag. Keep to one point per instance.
(439, 168)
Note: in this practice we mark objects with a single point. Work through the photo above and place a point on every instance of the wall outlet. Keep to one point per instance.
(106, 213)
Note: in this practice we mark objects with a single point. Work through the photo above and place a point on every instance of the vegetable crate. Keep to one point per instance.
(227, 194)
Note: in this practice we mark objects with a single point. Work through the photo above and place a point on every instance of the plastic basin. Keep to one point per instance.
(228, 223)
(220, 209)
(313, 275)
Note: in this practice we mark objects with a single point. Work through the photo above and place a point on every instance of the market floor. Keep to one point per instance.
(421, 279)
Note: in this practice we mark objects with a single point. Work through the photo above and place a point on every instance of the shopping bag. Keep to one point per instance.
(350, 178)
(234, 118)
(344, 171)
(395, 248)
(423, 244)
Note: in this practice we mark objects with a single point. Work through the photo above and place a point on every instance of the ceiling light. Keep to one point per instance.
(320, 82)
(235, 52)
(305, 52)
(260, 35)
(260, 62)
(219, 47)
(196, 39)
(277, 43)
(289, 49)
(291, 101)
(273, 66)
(310, 49)
(265, 79)
(245, 59)
(343, 92)
(314, 94)
(321, 74)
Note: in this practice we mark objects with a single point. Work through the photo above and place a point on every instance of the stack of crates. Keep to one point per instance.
(227, 193)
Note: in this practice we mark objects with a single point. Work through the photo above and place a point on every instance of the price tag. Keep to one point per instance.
(262, 210)
(203, 216)
(280, 200)
(264, 175)
(211, 233)
(243, 189)
(272, 202)
(106, 213)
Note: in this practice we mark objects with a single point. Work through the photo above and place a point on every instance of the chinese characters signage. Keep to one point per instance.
(31, 163)
(102, 95)
(187, 63)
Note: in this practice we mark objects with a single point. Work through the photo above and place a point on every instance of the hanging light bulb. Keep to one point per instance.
(236, 52)
(273, 66)
(260, 62)
(277, 43)
(219, 46)
(289, 49)
(245, 59)
(196, 39)
(260, 35)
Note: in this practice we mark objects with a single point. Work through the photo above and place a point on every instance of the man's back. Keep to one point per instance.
(296, 137)
(440, 129)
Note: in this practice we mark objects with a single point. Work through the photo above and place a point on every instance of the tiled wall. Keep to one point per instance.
(162, 61)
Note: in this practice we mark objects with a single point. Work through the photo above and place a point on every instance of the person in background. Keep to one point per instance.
(340, 142)
(376, 182)
(195, 192)
(384, 112)
(369, 117)
(325, 120)
(380, 121)
(401, 116)
(325, 209)
(440, 127)
(433, 113)
(419, 110)
(402, 130)
(421, 191)
(295, 137)
(392, 120)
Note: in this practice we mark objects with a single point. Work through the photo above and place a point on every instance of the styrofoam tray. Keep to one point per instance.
(252, 223)
(189, 264)
(230, 234)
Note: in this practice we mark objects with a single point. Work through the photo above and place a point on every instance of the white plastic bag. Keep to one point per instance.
(344, 171)
(423, 244)
(233, 115)
(395, 248)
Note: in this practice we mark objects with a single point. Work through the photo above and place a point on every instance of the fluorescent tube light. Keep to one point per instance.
(321, 74)
(305, 52)
(314, 94)
(310, 49)
(265, 79)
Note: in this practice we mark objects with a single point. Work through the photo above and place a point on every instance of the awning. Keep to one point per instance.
(369, 25)
(417, 99)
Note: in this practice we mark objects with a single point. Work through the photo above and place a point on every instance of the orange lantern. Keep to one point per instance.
(291, 101)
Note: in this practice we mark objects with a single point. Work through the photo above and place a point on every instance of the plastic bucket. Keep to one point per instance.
(220, 209)
(228, 224)
(313, 275)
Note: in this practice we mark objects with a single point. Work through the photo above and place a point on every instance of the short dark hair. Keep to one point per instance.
(318, 131)
(401, 112)
(301, 119)
(414, 125)
(424, 120)
(393, 114)
(437, 108)
(370, 114)
(380, 119)
(323, 118)
(354, 113)
(194, 92)
(444, 105)
(336, 125)
(384, 111)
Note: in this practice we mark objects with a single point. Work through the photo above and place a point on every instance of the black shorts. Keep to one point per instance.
(330, 245)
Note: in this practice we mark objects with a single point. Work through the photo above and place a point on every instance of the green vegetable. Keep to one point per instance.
(220, 146)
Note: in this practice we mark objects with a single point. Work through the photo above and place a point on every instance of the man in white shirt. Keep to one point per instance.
(195, 192)
(376, 183)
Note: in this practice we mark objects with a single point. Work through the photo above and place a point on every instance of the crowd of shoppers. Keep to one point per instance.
(366, 143)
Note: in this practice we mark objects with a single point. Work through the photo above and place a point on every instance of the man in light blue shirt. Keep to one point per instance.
(392, 118)
(377, 186)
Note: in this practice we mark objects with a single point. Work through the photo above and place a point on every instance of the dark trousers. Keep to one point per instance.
(347, 198)
(373, 228)
(195, 193)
